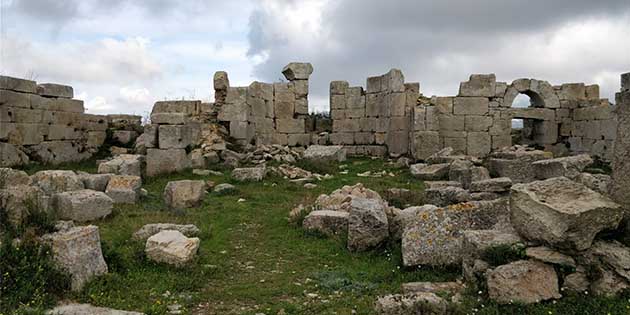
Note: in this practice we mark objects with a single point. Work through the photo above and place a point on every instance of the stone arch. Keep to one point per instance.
(540, 92)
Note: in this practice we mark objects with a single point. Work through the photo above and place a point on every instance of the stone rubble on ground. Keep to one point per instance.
(149, 230)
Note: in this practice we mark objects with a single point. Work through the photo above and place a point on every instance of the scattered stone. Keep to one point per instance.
(597, 182)
(417, 303)
(224, 188)
(569, 167)
(405, 217)
(576, 282)
(78, 252)
(184, 194)
(86, 309)
(255, 174)
(367, 224)
(96, 182)
(561, 213)
(500, 184)
(123, 164)
(124, 189)
(82, 205)
(20, 200)
(149, 230)
(447, 195)
(430, 172)
(548, 255)
(171, 247)
(523, 281)
(325, 153)
(340, 199)
(52, 182)
(327, 222)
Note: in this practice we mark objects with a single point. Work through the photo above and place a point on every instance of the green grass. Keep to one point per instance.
(252, 260)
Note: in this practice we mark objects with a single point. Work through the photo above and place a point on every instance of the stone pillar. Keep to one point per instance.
(620, 189)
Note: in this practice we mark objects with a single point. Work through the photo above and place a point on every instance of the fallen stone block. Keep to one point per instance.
(255, 174)
(550, 256)
(367, 224)
(417, 303)
(569, 167)
(18, 201)
(524, 282)
(82, 205)
(500, 184)
(447, 195)
(322, 153)
(171, 247)
(124, 189)
(11, 177)
(166, 161)
(96, 182)
(328, 222)
(561, 213)
(124, 164)
(10, 156)
(78, 252)
(598, 182)
(86, 309)
(149, 230)
(18, 85)
(430, 172)
(184, 194)
(52, 182)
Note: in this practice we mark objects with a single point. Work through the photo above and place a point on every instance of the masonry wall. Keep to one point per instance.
(44, 123)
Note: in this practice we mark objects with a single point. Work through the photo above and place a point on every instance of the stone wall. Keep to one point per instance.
(373, 121)
(42, 122)
(570, 118)
(620, 186)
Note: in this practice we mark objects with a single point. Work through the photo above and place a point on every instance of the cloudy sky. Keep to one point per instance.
(123, 55)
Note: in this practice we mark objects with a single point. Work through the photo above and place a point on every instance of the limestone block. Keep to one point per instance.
(570, 167)
(124, 189)
(82, 205)
(325, 153)
(561, 213)
(397, 104)
(52, 182)
(171, 247)
(593, 113)
(14, 99)
(280, 138)
(625, 82)
(523, 281)
(375, 105)
(57, 152)
(397, 142)
(175, 136)
(166, 161)
(546, 132)
(413, 87)
(395, 81)
(327, 222)
(290, 125)
(432, 118)
(221, 80)
(533, 113)
(470, 106)
(284, 109)
(55, 90)
(17, 201)
(346, 125)
(444, 105)
(478, 123)
(399, 123)
(478, 143)
(380, 138)
(573, 92)
(452, 123)
(419, 116)
(255, 174)
(363, 138)
(337, 101)
(77, 251)
(301, 106)
(592, 92)
(238, 130)
(383, 124)
(355, 112)
(184, 194)
(479, 85)
(297, 71)
(24, 115)
(367, 224)
(355, 97)
(367, 124)
(337, 114)
(375, 85)
(339, 87)
(425, 144)
(186, 107)
(458, 144)
(501, 141)
(341, 138)
(299, 139)
(18, 85)
(300, 88)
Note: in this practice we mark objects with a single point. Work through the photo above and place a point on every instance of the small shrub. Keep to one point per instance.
(503, 254)
(28, 276)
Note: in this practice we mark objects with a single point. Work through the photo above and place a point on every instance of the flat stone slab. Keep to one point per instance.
(328, 222)
(171, 247)
(184, 194)
(325, 153)
(430, 172)
(523, 281)
(124, 189)
(561, 213)
(500, 184)
(569, 167)
(254, 174)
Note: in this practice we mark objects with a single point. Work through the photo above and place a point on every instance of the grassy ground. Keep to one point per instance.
(251, 260)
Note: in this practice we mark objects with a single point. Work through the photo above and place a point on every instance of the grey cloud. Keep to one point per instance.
(438, 43)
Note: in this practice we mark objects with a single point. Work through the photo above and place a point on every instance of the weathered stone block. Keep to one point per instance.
(524, 282)
(299, 139)
(479, 85)
(327, 222)
(14, 99)
(375, 105)
(82, 205)
(426, 143)
(184, 194)
(375, 84)
(339, 87)
(452, 123)
(297, 71)
(338, 138)
(478, 143)
(55, 90)
(470, 106)
(367, 224)
(290, 125)
(166, 161)
(478, 123)
(397, 104)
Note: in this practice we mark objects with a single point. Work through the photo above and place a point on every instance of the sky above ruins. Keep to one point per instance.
(123, 55)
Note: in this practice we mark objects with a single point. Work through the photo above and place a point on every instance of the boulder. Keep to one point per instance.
(96, 182)
(166, 161)
(124, 189)
(82, 205)
(406, 216)
(184, 194)
(149, 230)
(569, 167)
(500, 184)
(612, 255)
(254, 174)
(411, 304)
(561, 213)
(367, 224)
(86, 309)
(171, 247)
(475, 246)
(11, 177)
(516, 163)
(11, 156)
(435, 236)
(52, 182)
(576, 282)
(78, 252)
(19, 200)
(597, 182)
(447, 195)
(430, 172)
(123, 164)
(523, 281)
(327, 222)
(325, 153)
(297, 71)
